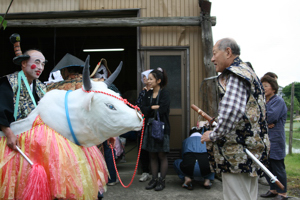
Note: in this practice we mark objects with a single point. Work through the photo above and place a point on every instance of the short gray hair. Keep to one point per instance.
(231, 43)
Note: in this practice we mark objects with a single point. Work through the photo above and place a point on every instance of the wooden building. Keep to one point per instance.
(172, 34)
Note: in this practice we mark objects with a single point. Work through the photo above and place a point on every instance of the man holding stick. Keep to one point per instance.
(21, 90)
(241, 124)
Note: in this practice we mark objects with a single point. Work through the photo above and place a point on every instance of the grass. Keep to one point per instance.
(296, 134)
(292, 163)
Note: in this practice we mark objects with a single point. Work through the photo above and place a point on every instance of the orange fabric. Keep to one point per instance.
(73, 172)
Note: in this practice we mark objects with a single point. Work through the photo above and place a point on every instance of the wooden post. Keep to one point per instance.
(209, 95)
(291, 119)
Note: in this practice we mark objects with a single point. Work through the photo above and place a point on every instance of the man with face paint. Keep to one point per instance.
(20, 92)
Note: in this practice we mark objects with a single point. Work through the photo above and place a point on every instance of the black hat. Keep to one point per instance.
(18, 60)
(68, 61)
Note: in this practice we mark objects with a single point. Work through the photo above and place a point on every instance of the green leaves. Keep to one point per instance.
(4, 24)
(287, 90)
(287, 101)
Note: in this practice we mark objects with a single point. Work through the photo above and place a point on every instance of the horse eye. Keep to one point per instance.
(110, 106)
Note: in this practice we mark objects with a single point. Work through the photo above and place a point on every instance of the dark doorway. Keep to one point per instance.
(56, 42)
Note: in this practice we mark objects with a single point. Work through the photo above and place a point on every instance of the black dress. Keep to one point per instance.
(149, 143)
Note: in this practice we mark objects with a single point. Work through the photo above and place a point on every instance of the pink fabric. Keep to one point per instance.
(73, 172)
(118, 147)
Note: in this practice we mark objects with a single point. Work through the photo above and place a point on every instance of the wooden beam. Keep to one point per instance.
(111, 13)
(109, 22)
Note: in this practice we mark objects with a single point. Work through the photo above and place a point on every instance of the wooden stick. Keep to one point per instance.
(203, 114)
(6, 14)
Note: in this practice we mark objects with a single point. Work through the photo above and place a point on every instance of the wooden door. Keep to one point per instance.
(174, 62)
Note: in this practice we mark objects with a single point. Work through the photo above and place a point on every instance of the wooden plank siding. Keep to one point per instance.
(39, 5)
(150, 36)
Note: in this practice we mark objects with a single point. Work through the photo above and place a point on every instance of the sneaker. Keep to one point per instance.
(113, 183)
(123, 160)
(145, 177)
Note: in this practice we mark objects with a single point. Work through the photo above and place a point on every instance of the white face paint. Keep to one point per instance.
(34, 66)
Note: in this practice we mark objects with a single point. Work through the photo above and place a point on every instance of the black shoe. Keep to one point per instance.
(160, 184)
(268, 195)
(152, 184)
(100, 196)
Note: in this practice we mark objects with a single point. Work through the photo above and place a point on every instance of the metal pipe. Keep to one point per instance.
(272, 177)
(21, 152)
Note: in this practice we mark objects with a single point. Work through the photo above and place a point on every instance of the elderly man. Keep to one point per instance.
(21, 91)
(241, 124)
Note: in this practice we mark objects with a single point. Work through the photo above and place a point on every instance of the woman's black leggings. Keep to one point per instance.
(163, 163)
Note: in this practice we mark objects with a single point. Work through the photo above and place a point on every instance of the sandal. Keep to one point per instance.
(207, 186)
(189, 186)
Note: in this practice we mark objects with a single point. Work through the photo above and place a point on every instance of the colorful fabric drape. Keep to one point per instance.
(73, 172)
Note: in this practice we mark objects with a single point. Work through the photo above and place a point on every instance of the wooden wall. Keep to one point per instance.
(150, 36)
(39, 5)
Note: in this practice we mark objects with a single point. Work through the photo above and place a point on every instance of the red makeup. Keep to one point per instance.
(33, 66)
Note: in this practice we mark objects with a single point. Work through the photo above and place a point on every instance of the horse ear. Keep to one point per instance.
(114, 75)
(87, 102)
(87, 85)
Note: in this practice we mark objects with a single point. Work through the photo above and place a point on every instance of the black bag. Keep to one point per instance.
(156, 127)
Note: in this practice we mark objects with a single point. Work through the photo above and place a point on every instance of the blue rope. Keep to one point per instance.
(68, 117)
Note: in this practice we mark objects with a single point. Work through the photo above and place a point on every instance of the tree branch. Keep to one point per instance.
(5, 14)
